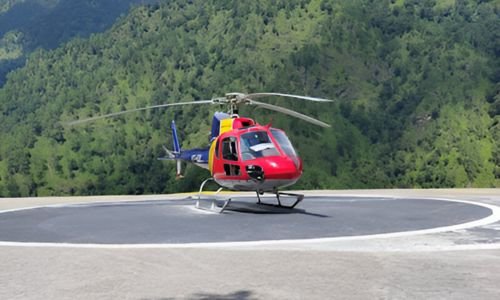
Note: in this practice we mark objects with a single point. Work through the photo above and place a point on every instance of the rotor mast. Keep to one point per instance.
(234, 100)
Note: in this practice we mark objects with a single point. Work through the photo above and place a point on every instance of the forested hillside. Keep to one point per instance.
(416, 85)
(28, 24)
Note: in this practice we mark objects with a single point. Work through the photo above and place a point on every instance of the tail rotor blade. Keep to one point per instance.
(290, 113)
(77, 122)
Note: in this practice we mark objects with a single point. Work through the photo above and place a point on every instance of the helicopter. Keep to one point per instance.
(242, 155)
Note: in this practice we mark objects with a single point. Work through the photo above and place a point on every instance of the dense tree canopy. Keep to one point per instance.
(416, 85)
(29, 24)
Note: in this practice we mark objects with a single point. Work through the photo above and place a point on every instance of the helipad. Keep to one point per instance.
(177, 222)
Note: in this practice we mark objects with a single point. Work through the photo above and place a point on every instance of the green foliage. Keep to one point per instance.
(26, 25)
(416, 84)
(5, 5)
(10, 46)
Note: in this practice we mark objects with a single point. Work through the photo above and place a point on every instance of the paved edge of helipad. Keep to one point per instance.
(375, 242)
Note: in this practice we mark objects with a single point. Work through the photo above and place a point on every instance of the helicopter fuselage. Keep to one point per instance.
(254, 158)
(244, 156)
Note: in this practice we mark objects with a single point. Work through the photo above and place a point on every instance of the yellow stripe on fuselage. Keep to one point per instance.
(226, 125)
(211, 153)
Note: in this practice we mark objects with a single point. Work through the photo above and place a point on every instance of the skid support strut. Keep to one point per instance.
(299, 198)
(216, 204)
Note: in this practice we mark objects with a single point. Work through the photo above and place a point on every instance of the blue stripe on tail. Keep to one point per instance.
(218, 116)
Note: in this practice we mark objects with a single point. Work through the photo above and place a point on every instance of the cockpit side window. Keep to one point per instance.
(229, 150)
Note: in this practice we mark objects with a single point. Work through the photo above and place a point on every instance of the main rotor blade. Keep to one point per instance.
(136, 109)
(261, 95)
(290, 112)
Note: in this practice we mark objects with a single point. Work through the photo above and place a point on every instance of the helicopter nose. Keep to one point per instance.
(281, 168)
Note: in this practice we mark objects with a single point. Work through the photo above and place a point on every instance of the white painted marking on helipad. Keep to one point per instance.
(493, 218)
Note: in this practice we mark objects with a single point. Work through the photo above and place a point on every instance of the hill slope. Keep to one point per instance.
(416, 84)
(28, 24)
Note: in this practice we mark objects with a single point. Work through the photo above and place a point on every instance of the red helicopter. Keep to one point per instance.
(242, 155)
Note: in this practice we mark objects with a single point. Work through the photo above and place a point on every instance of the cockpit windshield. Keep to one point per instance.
(257, 144)
(283, 142)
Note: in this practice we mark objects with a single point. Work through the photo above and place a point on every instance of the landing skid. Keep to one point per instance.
(217, 204)
(299, 198)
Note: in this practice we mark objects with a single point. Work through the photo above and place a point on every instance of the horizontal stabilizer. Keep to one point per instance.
(170, 155)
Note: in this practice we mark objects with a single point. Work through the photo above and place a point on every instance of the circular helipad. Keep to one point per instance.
(178, 222)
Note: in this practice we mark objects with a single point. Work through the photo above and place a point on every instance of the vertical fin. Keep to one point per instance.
(177, 147)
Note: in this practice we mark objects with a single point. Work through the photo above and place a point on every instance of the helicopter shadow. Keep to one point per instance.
(265, 208)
